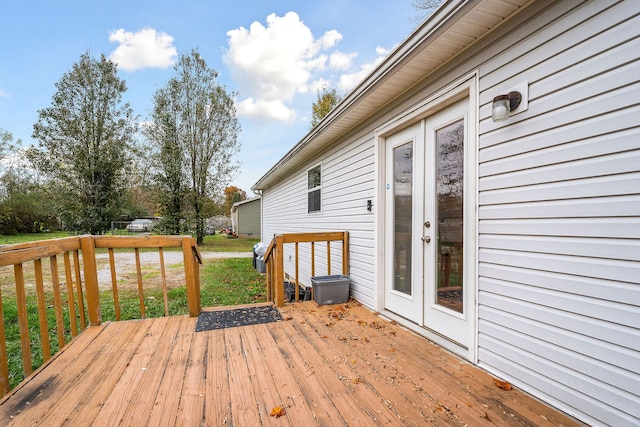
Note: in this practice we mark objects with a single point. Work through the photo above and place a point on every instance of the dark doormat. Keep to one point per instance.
(210, 320)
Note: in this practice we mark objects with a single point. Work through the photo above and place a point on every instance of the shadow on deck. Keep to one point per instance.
(325, 365)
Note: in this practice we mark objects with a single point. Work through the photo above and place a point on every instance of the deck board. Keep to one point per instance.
(325, 365)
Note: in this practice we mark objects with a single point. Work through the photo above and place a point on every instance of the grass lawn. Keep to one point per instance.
(30, 237)
(225, 281)
(216, 243)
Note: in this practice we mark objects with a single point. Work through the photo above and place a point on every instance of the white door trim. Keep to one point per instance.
(465, 87)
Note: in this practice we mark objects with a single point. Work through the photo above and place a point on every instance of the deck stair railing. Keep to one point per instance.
(274, 260)
(67, 293)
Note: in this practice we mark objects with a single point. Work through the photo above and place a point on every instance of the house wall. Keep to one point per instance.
(347, 184)
(248, 219)
(559, 186)
(558, 205)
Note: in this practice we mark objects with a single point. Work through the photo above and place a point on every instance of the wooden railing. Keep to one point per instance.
(274, 260)
(75, 302)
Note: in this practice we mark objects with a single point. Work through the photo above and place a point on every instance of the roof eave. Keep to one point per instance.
(408, 51)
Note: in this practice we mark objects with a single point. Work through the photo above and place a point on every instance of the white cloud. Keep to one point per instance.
(146, 48)
(272, 64)
(349, 80)
(381, 51)
(319, 84)
(264, 110)
(330, 39)
(4, 94)
(341, 61)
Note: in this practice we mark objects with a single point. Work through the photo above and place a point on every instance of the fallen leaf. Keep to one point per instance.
(357, 380)
(278, 411)
(376, 325)
(288, 318)
(502, 384)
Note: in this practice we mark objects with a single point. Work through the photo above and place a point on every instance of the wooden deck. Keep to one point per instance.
(331, 365)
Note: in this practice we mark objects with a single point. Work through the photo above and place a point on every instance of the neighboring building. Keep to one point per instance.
(514, 243)
(245, 217)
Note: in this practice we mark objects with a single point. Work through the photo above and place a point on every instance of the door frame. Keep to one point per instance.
(463, 88)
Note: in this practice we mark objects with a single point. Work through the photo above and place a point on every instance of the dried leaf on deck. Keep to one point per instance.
(502, 384)
(278, 411)
(376, 325)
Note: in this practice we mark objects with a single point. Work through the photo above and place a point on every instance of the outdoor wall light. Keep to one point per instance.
(503, 105)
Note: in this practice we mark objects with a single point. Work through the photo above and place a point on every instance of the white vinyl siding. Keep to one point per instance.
(347, 184)
(558, 204)
(559, 212)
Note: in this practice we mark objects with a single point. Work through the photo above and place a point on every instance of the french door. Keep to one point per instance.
(429, 221)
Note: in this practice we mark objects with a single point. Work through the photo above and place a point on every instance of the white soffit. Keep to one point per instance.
(450, 30)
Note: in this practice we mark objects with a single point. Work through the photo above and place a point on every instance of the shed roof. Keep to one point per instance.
(242, 202)
(451, 29)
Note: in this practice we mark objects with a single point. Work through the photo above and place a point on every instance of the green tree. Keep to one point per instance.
(24, 205)
(84, 138)
(6, 143)
(169, 159)
(325, 102)
(195, 130)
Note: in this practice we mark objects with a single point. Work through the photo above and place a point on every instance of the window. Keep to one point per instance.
(314, 182)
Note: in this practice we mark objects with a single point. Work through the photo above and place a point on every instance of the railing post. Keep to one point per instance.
(345, 253)
(192, 276)
(279, 271)
(4, 366)
(268, 276)
(88, 248)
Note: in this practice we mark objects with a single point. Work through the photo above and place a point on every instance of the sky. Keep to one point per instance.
(273, 54)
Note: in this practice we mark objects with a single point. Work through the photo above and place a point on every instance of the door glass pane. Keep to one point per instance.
(402, 202)
(449, 189)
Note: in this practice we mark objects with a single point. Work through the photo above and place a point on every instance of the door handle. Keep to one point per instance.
(426, 239)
